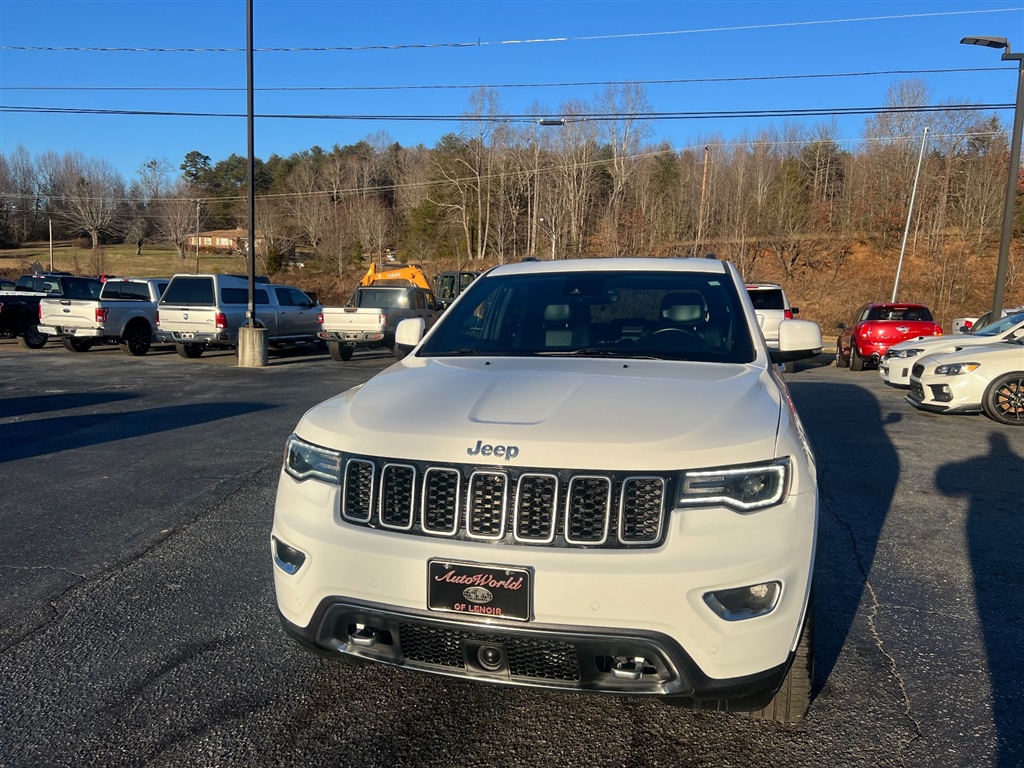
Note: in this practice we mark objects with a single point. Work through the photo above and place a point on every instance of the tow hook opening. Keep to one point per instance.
(288, 559)
(626, 667)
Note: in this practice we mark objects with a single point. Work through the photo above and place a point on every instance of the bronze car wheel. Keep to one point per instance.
(1004, 400)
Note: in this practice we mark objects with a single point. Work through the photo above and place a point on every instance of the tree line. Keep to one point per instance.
(781, 201)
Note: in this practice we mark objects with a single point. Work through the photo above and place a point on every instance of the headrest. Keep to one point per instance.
(684, 307)
(556, 313)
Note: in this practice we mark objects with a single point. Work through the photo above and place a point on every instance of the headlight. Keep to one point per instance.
(903, 353)
(743, 488)
(956, 369)
(304, 460)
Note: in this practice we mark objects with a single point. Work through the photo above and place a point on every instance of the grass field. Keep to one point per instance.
(155, 261)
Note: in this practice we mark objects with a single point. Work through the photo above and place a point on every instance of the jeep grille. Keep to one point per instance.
(506, 505)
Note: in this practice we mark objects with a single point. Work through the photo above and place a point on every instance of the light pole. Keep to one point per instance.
(1011, 182)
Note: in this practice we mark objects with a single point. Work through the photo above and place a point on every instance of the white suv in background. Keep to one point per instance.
(771, 305)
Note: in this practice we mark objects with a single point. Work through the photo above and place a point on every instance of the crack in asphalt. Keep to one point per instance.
(111, 572)
(908, 706)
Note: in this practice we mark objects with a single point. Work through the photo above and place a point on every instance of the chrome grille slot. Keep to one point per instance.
(357, 492)
(536, 508)
(440, 513)
(586, 514)
(507, 505)
(397, 496)
(641, 509)
(485, 505)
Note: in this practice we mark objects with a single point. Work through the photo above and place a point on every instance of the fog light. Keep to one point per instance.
(288, 559)
(744, 602)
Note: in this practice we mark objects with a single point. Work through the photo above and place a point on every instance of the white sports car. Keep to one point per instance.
(895, 366)
(987, 379)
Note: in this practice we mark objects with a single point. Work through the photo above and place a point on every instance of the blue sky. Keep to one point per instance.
(408, 44)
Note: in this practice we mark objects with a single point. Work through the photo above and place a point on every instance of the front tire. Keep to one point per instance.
(791, 701)
(191, 351)
(137, 339)
(1004, 400)
(856, 361)
(33, 338)
(71, 344)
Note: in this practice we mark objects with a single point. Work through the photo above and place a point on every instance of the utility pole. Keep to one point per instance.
(51, 243)
(197, 236)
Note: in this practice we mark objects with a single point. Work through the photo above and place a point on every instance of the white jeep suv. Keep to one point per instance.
(587, 476)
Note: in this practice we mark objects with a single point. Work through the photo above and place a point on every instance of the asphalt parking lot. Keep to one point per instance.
(137, 621)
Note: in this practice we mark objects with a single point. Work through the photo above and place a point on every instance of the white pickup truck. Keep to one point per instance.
(371, 316)
(200, 312)
(124, 314)
(588, 476)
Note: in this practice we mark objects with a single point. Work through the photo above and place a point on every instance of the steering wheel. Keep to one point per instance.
(685, 331)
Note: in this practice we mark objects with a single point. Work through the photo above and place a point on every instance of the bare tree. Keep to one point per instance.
(179, 215)
(92, 196)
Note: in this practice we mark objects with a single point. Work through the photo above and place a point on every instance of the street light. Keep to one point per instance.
(1011, 182)
(551, 230)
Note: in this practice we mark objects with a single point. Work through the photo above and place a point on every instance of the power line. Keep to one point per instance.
(591, 83)
(530, 118)
(481, 44)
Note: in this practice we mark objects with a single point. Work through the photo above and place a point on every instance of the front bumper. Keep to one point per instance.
(945, 394)
(571, 658)
(650, 600)
(896, 371)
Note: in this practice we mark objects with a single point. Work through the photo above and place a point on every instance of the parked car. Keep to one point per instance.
(963, 324)
(199, 312)
(899, 358)
(19, 309)
(124, 314)
(369, 319)
(771, 305)
(448, 286)
(987, 379)
(587, 476)
(876, 327)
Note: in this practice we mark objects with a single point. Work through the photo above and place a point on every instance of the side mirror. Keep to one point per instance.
(799, 336)
(841, 326)
(795, 310)
(409, 333)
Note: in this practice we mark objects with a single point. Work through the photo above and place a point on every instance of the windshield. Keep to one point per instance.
(1002, 326)
(652, 315)
(378, 298)
(906, 314)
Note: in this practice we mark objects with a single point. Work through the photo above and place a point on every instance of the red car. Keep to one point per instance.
(876, 327)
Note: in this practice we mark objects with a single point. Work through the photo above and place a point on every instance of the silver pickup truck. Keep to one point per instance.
(124, 314)
(370, 318)
(200, 312)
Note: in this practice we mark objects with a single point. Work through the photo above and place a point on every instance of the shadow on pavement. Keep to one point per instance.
(853, 505)
(994, 487)
(20, 406)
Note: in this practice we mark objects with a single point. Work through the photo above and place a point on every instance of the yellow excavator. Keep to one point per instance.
(396, 274)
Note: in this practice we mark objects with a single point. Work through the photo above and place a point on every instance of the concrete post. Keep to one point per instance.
(252, 347)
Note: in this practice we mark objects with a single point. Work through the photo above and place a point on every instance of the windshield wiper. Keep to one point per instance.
(598, 352)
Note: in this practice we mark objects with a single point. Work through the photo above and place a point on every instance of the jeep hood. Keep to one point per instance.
(567, 413)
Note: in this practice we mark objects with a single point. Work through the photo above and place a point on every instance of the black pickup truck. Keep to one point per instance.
(19, 308)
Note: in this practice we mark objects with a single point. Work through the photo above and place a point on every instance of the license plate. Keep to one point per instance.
(493, 591)
(188, 335)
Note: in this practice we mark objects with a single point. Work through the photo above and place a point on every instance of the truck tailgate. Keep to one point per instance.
(188, 319)
(342, 319)
(68, 313)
